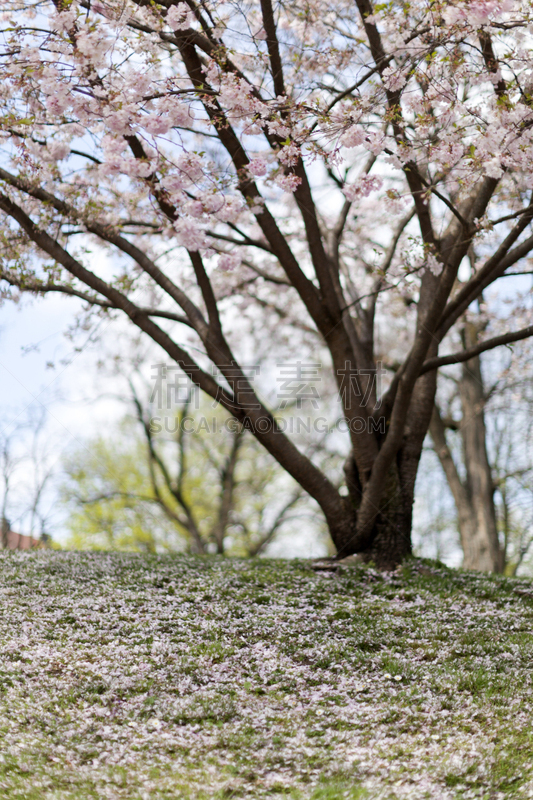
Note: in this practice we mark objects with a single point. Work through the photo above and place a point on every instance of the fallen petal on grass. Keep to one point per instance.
(131, 676)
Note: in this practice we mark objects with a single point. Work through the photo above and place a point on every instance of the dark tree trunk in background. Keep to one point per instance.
(227, 491)
(4, 533)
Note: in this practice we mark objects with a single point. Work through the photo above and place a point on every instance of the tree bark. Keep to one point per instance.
(390, 540)
(227, 490)
(473, 495)
(5, 531)
(481, 547)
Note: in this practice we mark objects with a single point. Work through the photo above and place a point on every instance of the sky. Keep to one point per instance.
(41, 370)
(40, 367)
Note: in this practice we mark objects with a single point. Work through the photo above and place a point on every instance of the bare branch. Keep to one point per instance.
(276, 68)
(495, 266)
(37, 287)
(482, 347)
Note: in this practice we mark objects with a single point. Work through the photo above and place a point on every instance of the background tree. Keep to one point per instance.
(193, 481)
(28, 467)
(473, 495)
(489, 469)
(272, 145)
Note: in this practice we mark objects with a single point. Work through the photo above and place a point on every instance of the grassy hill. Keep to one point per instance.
(127, 676)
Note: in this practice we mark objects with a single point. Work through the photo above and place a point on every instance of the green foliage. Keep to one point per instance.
(118, 498)
(109, 497)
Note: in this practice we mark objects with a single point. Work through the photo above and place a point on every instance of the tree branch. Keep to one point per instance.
(276, 68)
(25, 285)
(495, 266)
(45, 242)
(482, 347)
(107, 234)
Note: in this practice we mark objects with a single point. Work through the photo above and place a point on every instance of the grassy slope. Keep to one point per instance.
(125, 676)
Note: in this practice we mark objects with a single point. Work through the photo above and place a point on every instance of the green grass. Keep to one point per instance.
(125, 676)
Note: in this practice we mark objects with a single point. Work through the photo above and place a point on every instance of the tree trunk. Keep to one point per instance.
(473, 496)
(5, 533)
(482, 549)
(227, 490)
(390, 541)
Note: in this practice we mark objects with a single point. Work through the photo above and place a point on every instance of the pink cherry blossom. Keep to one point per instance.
(229, 262)
(179, 17)
(156, 125)
(394, 78)
(362, 187)
(257, 167)
(289, 183)
(58, 150)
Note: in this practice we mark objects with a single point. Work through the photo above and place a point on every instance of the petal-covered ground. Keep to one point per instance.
(129, 676)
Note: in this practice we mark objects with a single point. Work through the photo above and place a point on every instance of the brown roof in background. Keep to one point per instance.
(18, 541)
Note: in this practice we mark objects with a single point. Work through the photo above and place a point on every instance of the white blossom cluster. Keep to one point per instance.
(125, 676)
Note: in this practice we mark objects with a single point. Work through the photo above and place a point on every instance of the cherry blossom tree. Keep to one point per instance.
(190, 162)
